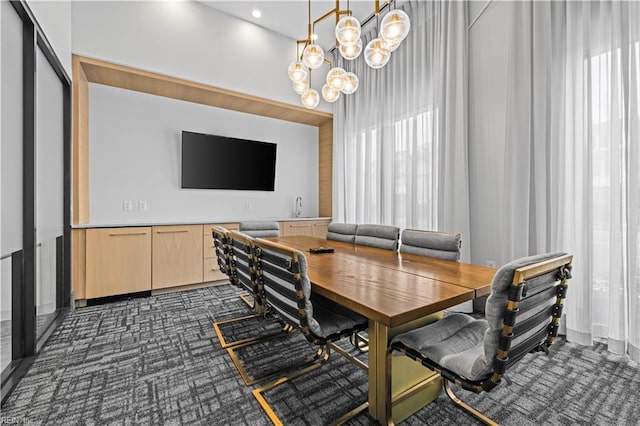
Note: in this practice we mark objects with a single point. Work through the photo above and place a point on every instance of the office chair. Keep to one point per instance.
(522, 316)
(282, 271)
(241, 271)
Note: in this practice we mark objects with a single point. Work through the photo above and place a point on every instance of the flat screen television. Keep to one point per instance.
(219, 162)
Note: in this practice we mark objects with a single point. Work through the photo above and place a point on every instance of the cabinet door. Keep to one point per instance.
(299, 227)
(118, 261)
(320, 228)
(177, 255)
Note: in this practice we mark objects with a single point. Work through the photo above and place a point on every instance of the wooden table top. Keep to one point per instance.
(386, 286)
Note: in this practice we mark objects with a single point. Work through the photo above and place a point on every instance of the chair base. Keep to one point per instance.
(466, 407)
(359, 341)
(245, 297)
(225, 344)
(321, 358)
(248, 380)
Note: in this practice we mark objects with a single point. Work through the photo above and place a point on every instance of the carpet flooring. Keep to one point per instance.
(157, 361)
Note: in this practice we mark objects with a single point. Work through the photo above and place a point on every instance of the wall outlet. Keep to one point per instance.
(127, 205)
(142, 206)
(491, 263)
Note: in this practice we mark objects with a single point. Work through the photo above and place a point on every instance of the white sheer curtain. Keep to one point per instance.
(400, 142)
(573, 157)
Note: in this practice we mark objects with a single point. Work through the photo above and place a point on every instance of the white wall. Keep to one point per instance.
(54, 18)
(187, 40)
(488, 46)
(135, 155)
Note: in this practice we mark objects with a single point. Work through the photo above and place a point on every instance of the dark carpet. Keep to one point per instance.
(157, 361)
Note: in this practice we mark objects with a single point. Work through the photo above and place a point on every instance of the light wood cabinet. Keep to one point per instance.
(118, 261)
(113, 261)
(314, 228)
(177, 255)
(210, 269)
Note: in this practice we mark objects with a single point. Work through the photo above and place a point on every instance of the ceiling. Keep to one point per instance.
(289, 17)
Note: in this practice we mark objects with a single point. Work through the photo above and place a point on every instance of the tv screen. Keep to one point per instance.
(218, 162)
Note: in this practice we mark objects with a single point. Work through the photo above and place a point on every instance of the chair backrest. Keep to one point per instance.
(242, 264)
(282, 273)
(381, 236)
(524, 309)
(441, 245)
(222, 245)
(345, 232)
(260, 228)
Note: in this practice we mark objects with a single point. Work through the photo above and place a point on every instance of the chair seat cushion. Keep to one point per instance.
(330, 318)
(456, 343)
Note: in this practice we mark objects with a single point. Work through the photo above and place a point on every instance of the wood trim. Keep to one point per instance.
(88, 70)
(124, 77)
(325, 168)
(80, 145)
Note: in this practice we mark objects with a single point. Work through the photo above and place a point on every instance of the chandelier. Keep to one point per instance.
(393, 30)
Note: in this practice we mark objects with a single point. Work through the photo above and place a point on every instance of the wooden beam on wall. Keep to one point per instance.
(80, 145)
(325, 168)
(162, 85)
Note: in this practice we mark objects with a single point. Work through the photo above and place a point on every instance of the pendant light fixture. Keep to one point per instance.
(377, 53)
(348, 31)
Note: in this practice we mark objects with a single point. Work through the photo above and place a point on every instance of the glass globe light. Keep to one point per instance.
(391, 46)
(334, 78)
(395, 26)
(310, 98)
(350, 83)
(300, 86)
(297, 71)
(351, 52)
(376, 54)
(330, 94)
(313, 56)
(348, 30)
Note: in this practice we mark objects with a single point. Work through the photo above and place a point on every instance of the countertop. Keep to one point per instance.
(187, 222)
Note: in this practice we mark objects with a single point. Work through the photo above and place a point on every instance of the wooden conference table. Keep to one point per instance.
(396, 292)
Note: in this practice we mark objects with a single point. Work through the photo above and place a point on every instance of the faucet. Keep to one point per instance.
(298, 206)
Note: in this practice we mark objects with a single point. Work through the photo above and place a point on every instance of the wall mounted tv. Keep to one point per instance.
(218, 162)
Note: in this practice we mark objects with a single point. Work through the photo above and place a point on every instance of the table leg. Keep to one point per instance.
(412, 385)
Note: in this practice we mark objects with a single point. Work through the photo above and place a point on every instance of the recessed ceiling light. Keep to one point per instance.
(256, 13)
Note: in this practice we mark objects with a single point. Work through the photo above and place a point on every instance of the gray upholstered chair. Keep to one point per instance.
(522, 316)
(260, 228)
(282, 271)
(236, 256)
(441, 245)
(345, 232)
(381, 236)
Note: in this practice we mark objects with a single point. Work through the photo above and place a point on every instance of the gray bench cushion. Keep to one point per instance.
(260, 228)
(381, 236)
(345, 232)
(441, 245)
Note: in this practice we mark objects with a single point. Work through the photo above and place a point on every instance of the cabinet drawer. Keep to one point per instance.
(177, 255)
(118, 261)
(211, 270)
(288, 229)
